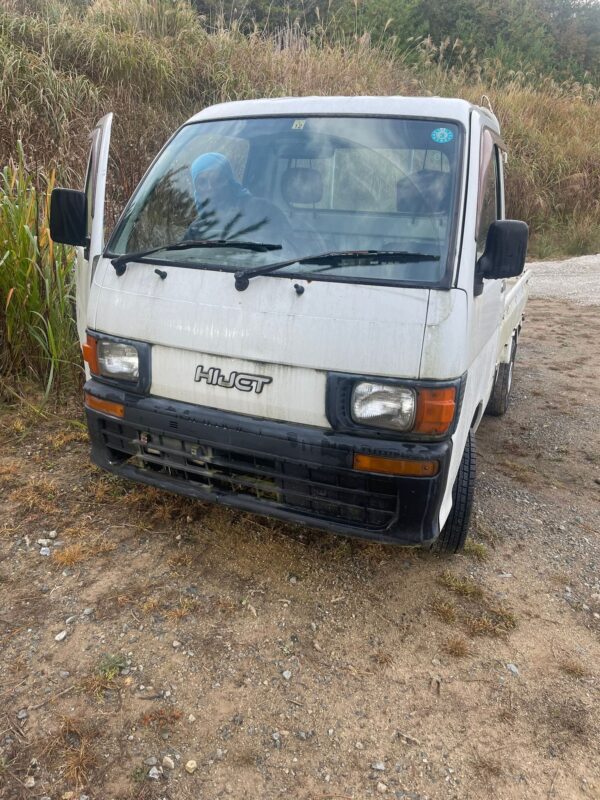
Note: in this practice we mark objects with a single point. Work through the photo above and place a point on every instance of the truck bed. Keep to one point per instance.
(516, 292)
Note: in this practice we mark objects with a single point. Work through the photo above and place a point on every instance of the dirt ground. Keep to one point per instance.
(290, 663)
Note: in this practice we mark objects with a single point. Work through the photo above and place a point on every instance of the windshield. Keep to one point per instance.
(311, 185)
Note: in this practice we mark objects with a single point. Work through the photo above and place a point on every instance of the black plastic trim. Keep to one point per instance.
(338, 396)
(418, 499)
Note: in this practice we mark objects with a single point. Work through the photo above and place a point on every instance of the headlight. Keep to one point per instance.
(384, 406)
(118, 360)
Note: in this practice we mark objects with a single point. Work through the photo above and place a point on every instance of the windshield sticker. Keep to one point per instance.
(442, 135)
(298, 124)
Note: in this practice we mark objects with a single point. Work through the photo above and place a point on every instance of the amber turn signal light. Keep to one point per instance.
(396, 466)
(104, 406)
(435, 410)
(90, 354)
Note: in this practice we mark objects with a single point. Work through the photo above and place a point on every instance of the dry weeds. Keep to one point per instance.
(463, 586)
(185, 607)
(183, 558)
(150, 605)
(476, 549)
(73, 749)
(487, 766)
(567, 719)
(104, 677)
(37, 495)
(70, 555)
(62, 439)
(444, 609)
(493, 620)
(457, 646)
(382, 658)
(573, 667)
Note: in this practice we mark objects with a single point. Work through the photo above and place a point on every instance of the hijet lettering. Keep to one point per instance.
(236, 380)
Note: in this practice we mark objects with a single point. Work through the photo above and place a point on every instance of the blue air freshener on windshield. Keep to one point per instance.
(442, 135)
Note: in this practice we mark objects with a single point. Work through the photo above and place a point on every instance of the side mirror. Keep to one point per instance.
(68, 217)
(505, 249)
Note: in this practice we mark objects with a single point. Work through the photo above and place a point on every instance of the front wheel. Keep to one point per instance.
(500, 396)
(454, 533)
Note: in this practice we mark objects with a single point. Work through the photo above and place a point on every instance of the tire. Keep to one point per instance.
(455, 531)
(500, 396)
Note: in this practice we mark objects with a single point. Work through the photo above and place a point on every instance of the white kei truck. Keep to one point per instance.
(304, 310)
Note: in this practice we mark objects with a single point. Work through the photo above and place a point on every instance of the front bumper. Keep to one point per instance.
(293, 472)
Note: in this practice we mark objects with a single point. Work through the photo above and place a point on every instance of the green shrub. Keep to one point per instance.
(38, 337)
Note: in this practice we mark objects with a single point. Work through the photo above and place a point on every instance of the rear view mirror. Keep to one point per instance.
(68, 217)
(505, 249)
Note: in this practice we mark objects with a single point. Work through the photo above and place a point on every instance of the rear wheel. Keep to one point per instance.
(454, 533)
(500, 397)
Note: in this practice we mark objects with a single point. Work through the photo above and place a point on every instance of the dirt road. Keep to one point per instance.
(288, 663)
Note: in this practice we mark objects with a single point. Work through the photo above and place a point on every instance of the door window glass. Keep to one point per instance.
(488, 210)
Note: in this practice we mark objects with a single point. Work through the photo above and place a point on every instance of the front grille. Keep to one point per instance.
(330, 493)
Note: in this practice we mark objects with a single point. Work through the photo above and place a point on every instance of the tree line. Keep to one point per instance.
(557, 37)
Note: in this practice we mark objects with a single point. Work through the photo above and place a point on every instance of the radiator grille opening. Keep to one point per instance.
(331, 493)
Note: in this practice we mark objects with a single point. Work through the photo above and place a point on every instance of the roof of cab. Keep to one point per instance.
(430, 107)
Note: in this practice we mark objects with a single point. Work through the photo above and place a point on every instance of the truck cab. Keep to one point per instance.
(304, 310)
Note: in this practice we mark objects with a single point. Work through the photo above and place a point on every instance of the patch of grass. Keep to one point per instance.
(159, 506)
(185, 607)
(463, 586)
(70, 555)
(505, 618)
(16, 426)
(487, 765)
(102, 486)
(76, 532)
(79, 763)
(480, 625)
(63, 438)
(567, 719)
(517, 471)
(110, 665)
(8, 474)
(476, 549)
(444, 609)
(37, 495)
(493, 620)
(382, 658)
(99, 544)
(573, 667)
(183, 558)
(457, 646)
(89, 545)
(150, 604)
(480, 614)
(73, 749)
(104, 677)
(484, 530)
(138, 774)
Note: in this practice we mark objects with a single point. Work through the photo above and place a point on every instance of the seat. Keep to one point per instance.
(302, 187)
(425, 192)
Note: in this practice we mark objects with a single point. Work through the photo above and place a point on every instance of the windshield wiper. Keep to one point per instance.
(333, 259)
(120, 262)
